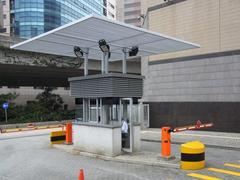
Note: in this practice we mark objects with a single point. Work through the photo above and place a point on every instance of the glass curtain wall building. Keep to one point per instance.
(30, 18)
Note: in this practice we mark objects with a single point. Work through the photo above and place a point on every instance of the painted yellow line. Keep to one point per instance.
(224, 171)
(232, 165)
(200, 176)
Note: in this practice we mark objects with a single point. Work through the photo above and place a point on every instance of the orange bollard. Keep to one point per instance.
(69, 133)
(81, 175)
(166, 142)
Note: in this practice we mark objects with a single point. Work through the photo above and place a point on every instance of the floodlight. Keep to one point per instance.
(78, 51)
(133, 51)
(104, 46)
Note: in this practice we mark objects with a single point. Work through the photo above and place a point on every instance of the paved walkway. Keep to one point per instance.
(209, 138)
(143, 157)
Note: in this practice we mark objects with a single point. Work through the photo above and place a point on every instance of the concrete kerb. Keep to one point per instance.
(140, 158)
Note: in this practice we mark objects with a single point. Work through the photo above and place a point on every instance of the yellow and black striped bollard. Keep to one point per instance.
(58, 137)
(192, 155)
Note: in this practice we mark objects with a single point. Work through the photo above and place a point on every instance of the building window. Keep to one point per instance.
(65, 107)
(112, 6)
(13, 87)
(134, 20)
(129, 13)
(3, 2)
(38, 87)
(130, 5)
(78, 101)
(4, 16)
(112, 15)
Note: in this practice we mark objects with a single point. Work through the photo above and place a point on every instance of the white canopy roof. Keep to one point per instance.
(87, 32)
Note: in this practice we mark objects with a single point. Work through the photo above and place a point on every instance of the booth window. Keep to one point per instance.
(93, 110)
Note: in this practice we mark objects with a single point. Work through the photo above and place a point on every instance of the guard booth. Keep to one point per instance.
(104, 99)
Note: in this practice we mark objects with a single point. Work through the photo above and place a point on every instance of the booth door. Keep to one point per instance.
(126, 114)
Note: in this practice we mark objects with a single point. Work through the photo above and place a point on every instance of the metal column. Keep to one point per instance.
(106, 62)
(124, 63)
(86, 62)
(103, 63)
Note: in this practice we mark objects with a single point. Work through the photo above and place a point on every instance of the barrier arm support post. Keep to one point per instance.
(166, 136)
(166, 143)
(69, 134)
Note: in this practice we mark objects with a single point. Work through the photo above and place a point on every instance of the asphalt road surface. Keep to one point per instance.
(28, 156)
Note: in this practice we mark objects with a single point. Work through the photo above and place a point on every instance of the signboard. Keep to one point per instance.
(5, 105)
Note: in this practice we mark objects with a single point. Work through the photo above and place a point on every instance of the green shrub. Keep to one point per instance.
(47, 108)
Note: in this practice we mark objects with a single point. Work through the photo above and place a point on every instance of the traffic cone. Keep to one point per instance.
(81, 175)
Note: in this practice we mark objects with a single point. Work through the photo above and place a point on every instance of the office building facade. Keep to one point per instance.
(129, 11)
(111, 9)
(5, 17)
(198, 84)
(33, 17)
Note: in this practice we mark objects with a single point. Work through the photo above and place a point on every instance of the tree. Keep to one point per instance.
(49, 100)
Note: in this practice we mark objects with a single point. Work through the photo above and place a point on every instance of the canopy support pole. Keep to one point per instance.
(86, 62)
(103, 63)
(106, 62)
(124, 62)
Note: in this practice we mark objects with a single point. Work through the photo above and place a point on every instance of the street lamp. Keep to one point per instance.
(104, 46)
(133, 51)
(78, 51)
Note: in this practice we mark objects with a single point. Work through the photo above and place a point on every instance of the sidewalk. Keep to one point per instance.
(209, 138)
(142, 157)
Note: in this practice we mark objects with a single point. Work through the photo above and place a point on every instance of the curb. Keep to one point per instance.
(118, 158)
(207, 145)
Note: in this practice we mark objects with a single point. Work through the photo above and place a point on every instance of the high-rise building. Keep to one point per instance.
(129, 11)
(1, 15)
(111, 9)
(5, 17)
(33, 17)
